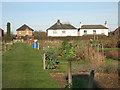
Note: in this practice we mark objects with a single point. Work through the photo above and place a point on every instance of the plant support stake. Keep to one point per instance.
(44, 61)
(69, 72)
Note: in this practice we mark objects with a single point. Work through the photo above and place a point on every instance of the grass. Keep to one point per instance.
(22, 68)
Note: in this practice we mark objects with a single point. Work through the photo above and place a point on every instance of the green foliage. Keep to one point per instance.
(40, 35)
(68, 85)
(8, 29)
(79, 83)
(9, 38)
(67, 50)
(51, 58)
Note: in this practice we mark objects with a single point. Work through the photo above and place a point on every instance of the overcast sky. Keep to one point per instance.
(41, 15)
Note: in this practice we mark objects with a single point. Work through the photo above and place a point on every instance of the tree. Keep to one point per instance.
(8, 29)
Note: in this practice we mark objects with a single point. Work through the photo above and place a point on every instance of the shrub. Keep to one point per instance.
(51, 58)
(67, 50)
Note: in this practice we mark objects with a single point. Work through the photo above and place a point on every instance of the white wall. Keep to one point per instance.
(68, 32)
(90, 31)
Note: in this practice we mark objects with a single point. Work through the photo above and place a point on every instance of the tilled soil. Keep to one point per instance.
(101, 80)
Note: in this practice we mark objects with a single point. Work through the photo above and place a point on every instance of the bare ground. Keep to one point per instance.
(100, 79)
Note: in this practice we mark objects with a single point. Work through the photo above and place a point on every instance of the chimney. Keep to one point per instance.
(80, 24)
(58, 22)
(105, 23)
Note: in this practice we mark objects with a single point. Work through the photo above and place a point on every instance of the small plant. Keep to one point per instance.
(68, 85)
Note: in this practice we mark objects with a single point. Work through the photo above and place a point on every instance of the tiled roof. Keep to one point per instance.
(61, 26)
(23, 27)
(93, 27)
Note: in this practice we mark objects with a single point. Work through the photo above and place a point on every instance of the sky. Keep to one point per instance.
(42, 15)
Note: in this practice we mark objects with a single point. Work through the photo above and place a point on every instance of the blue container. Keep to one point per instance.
(35, 45)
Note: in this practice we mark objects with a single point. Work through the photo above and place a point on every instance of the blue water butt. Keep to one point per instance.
(35, 45)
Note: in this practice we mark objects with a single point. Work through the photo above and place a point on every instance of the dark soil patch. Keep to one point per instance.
(101, 80)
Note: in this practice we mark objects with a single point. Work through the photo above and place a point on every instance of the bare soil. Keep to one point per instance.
(101, 80)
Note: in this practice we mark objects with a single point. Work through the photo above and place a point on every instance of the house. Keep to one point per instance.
(1, 32)
(93, 30)
(24, 30)
(117, 31)
(59, 29)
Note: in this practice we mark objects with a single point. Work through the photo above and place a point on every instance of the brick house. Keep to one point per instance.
(1, 32)
(24, 30)
(117, 31)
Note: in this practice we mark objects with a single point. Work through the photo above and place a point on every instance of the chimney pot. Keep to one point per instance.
(58, 21)
(80, 24)
(105, 23)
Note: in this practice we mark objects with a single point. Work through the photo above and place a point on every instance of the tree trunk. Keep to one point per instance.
(69, 72)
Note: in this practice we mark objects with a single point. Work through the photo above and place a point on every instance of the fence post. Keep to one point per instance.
(44, 66)
(38, 46)
(69, 72)
(91, 79)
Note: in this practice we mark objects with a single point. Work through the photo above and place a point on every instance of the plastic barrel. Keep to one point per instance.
(35, 45)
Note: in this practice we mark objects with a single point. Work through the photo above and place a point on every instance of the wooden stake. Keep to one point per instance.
(69, 72)
(38, 46)
(44, 66)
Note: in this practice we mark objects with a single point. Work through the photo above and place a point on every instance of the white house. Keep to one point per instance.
(59, 29)
(93, 30)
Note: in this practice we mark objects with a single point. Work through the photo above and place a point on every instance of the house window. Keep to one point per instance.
(85, 31)
(54, 32)
(94, 31)
(103, 32)
(19, 32)
(63, 32)
(27, 32)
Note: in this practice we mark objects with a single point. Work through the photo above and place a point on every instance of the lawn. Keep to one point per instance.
(22, 68)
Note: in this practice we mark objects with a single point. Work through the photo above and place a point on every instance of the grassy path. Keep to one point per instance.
(22, 68)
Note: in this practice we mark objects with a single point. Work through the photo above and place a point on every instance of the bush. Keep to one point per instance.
(51, 58)
(66, 50)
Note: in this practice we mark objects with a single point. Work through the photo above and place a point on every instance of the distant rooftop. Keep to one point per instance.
(24, 27)
(59, 25)
(93, 27)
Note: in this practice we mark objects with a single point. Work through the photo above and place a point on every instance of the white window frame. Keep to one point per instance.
(54, 32)
(63, 32)
(27, 32)
(19, 32)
